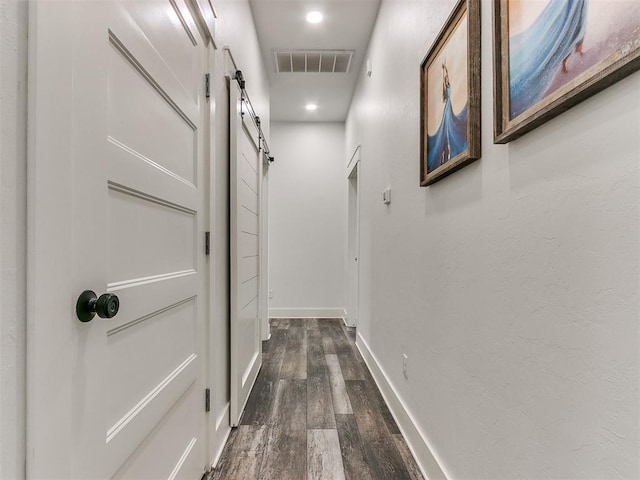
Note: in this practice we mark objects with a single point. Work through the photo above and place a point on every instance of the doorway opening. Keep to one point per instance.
(353, 239)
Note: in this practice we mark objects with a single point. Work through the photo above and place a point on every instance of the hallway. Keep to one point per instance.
(315, 393)
(177, 173)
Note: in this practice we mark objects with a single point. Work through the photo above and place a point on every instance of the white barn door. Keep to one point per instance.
(117, 205)
(245, 181)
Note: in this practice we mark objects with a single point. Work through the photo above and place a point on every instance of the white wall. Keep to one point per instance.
(13, 95)
(307, 219)
(236, 30)
(512, 285)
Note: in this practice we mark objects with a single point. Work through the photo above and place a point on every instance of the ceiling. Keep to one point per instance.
(282, 25)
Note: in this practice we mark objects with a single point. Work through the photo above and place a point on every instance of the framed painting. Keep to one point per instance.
(450, 96)
(550, 55)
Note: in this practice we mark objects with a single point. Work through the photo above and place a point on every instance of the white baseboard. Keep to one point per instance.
(307, 313)
(415, 439)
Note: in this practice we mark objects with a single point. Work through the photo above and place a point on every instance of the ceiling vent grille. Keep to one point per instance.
(313, 61)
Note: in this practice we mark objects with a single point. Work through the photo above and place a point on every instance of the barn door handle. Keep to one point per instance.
(89, 304)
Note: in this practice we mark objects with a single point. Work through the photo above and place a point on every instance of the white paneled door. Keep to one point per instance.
(117, 205)
(245, 183)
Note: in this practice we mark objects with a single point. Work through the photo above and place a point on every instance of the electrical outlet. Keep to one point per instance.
(405, 361)
(270, 293)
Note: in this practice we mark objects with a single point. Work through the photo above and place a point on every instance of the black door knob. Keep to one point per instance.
(89, 304)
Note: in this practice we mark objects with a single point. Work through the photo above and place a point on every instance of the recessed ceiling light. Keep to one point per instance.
(314, 17)
(311, 107)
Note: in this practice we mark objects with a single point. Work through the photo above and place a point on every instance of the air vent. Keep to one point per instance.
(313, 61)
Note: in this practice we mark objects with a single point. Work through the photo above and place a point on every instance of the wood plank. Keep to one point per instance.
(324, 458)
(284, 323)
(312, 324)
(297, 322)
(327, 341)
(279, 324)
(351, 368)
(352, 449)
(259, 406)
(341, 403)
(319, 400)
(319, 404)
(354, 347)
(277, 342)
(331, 321)
(350, 332)
(316, 364)
(382, 456)
(243, 454)
(294, 365)
(362, 402)
(287, 433)
(392, 426)
(409, 461)
(327, 345)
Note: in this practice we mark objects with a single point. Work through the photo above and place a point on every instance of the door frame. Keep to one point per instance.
(264, 247)
(48, 137)
(353, 244)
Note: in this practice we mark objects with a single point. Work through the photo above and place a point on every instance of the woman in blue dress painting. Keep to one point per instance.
(451, 137)
(536, 54)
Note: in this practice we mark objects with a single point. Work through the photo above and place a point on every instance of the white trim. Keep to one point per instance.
(206, 15)
(353, 291)
(230, 67)
(415, 438)
(220, 448)
(348, 321)
(307, 313)
(355, 158)
(222, 425)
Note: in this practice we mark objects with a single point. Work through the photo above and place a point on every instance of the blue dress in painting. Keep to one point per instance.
(451, 137)
(536, 53)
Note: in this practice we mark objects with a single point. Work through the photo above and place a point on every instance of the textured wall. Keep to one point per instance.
(13, 122)
(512, 285)
(308, 215)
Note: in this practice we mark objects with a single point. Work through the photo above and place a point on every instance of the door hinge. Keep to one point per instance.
(207, 243)
(207, 85)
(207, 399)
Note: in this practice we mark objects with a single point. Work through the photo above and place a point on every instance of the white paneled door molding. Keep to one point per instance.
(116, 205)
(245, 207)
(353, 241)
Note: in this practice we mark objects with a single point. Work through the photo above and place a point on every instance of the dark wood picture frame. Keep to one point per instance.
(601, 75)
(473, 137)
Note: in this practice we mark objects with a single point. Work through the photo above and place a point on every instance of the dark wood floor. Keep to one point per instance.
(315, 413)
